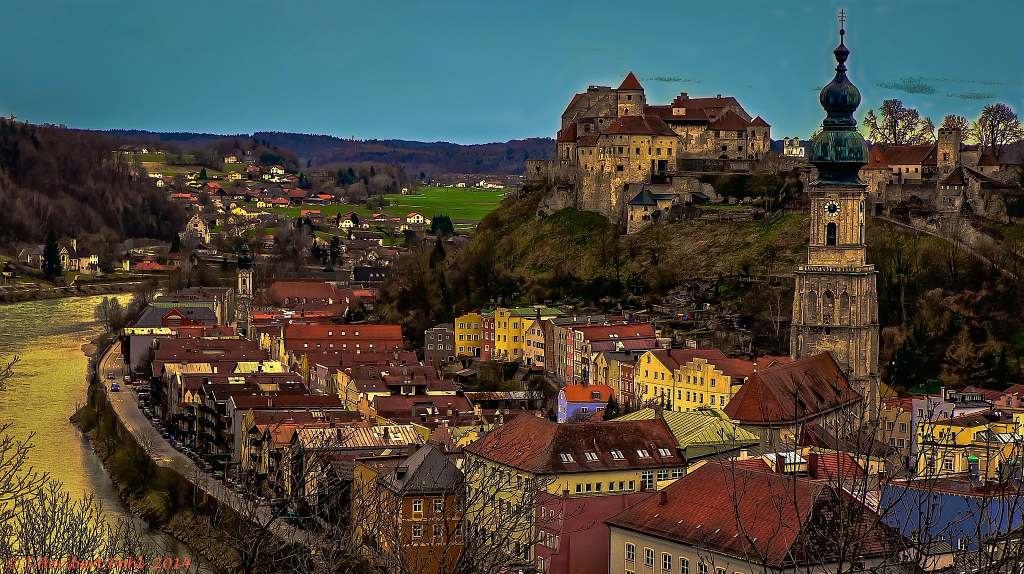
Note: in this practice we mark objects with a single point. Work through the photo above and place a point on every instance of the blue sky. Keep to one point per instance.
(479, 71)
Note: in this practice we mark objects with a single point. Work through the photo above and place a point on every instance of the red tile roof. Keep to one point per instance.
(567, 134)
(759, 122)
(676, 358)
(630, 83)
(540, 446)
(768, 518)
(639, 125)
(299, 337)
(281, 291)
(585, 393)
(882, 156)
(729, 121)
(628, 331)
(792, 392)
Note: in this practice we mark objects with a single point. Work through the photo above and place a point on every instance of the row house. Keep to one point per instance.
(689, 379)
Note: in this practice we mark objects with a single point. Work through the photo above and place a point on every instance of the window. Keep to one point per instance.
(666, 562)
(642, 453)
(702, 568)
(417, 506)
(663, 474)
(617, 455)
(438, 532)
(649, 557)
(831, 233)
(567, 457)
(591, 456)
(684, 565)
(630, 552)
(664, 452)
(417, 531)
(579, 487)
(647, 480)
(439, 505)
(719, 570)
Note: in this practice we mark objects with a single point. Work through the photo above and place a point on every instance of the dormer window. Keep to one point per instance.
(567, 457)
(664, 452)
(591, 456)
(642, 453)
(617, 455)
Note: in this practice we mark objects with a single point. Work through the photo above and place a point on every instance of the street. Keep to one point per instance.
(126, 407)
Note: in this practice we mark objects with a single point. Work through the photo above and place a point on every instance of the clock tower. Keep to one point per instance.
(835, 306)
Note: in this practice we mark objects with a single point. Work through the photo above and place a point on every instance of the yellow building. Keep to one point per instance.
(689, 379)
(991, 438)
(467, 335)
(543, 468)
(511, 328)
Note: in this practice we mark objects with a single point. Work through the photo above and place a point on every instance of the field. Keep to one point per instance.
(466, 206)
(461, 204)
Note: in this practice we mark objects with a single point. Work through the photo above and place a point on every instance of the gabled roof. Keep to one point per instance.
(639, 125)
(759, 122)
(630, 83)
(540, 446)
(644, 197)
(567, 134)
(426, 471)
(729, 121)
(699, 432)
(765, 517)
(792, 392)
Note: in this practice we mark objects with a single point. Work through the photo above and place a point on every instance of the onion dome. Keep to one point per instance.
(838, 150)
(244, 258)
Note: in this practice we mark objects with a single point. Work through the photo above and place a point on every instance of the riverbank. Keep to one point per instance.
(159, 496)
(10, 294)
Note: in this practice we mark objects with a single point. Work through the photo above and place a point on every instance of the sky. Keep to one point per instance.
(480, 71)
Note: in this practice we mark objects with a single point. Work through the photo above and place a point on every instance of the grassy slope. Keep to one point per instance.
(526, 245)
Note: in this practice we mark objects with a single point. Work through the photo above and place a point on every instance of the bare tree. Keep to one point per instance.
(997, 127)
(896, 124)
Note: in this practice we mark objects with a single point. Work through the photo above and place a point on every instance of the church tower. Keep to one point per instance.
(244, 291)
(835, 305)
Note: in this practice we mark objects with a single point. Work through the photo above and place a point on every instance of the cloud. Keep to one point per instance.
(967, 81)
(672, 79)
(973, 96)
(909, 85)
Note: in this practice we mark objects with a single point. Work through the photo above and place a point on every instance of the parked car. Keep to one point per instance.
(110, 376)
(127, 378)
(115, 387)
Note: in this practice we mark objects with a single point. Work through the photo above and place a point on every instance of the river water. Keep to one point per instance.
(48, 386)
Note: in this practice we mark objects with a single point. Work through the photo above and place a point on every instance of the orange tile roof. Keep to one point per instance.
(585, 393)
(630, 83)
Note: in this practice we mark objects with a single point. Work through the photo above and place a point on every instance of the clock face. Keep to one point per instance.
(832, 208)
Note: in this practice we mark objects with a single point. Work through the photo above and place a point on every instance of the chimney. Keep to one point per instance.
(74, 244)
(662, 498)
(659, 411)
(812, 464)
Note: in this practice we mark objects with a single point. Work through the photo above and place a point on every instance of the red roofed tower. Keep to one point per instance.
(631, 97)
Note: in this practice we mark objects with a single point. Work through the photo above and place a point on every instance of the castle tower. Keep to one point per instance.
(244, 290)
(949, 143)
(631, 99)
(835, 305)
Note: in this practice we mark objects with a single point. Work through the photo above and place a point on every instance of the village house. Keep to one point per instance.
(411, 507)
(727, 517)
(580, 402)
(689, 379)
(570, 477)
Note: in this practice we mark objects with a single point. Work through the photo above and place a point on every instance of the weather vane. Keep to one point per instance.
(842, 20)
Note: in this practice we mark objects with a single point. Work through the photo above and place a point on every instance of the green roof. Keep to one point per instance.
(700, 433)
(531, 311)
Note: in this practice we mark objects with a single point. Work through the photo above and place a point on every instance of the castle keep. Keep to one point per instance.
(614, 147)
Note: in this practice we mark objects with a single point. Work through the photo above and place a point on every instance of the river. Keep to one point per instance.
(49, 385)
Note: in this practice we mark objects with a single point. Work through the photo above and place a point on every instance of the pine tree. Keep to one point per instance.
(51, 257)
(202, 174)
(176, 243)
(611, 410)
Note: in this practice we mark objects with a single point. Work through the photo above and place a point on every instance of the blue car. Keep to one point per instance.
(115, 387)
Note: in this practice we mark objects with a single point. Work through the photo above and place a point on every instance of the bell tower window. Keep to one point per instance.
(831, 232)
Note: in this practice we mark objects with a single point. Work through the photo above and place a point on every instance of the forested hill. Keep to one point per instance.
(321, 150)
(69, 182)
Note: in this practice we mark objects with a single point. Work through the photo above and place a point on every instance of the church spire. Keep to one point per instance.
(838, 150)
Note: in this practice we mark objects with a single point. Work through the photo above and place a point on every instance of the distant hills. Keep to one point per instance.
(432, 158)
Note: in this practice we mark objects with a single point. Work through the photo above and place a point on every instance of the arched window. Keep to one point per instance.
(831, 232)
(812, 307)
(828, 304)
(844, 308)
